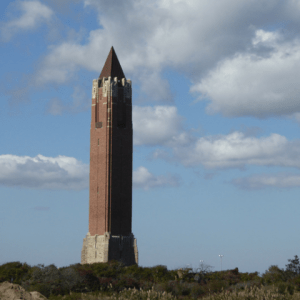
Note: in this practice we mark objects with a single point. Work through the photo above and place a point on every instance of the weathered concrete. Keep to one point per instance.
(102, 248)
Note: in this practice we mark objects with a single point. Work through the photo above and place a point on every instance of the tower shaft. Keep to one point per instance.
(111, 157)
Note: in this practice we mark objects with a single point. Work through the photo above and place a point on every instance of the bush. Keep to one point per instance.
(71, 280)
(217, 286)
(274, 275)
(13, 270)
(109, 270)
(197, 291)
(46, 280)
(293, 268)
(296, 282)
(42, 288)
(283, 288)
(249, 276)
(112, 279)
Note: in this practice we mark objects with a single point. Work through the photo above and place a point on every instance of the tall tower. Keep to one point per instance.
(110, 206)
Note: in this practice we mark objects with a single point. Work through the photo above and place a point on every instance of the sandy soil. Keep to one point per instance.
(11, 291)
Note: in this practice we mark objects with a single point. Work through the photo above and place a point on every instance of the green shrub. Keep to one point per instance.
(42, 288)
(249, 276)
(110, 280)
(13, 270)
(285, 287)
(274, 275)
(296, 282)
(109, 270)
(197, 291)
(217, 286)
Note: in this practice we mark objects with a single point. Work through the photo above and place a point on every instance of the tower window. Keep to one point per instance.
(98, 125)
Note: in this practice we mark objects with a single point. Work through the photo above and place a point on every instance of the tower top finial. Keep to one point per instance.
(112, 66)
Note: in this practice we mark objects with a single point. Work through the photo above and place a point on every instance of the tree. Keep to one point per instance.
(204, 268)
(202, 271)
(294, 266)
(13, 271)
(43, 279)
(274, 274)
(71, 278)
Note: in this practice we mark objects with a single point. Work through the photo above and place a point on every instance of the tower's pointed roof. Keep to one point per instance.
(112, 66)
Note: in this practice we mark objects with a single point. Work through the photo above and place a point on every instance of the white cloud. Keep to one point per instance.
(64, 173)
(155, 125)
(237, 150)
(143, 179)
(190, 37)
(257, 85)
(265, 38)
(40, 172)
(281, 180)
(33, 14)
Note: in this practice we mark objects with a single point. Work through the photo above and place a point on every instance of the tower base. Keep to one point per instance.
(102, 248)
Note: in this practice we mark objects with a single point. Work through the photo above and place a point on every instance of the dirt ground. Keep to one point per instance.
(11, 291)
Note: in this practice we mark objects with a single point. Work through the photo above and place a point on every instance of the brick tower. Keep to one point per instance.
(110, 206)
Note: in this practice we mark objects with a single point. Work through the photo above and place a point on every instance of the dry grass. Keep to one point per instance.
(142, 295)
(263, 293)
(126, 294)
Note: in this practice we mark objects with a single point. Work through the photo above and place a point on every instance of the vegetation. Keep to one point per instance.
(265, 293)
(115, 281)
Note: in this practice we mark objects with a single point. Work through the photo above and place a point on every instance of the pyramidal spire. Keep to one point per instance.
(112, 66)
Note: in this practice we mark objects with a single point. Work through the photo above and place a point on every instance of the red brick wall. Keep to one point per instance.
(111, 166)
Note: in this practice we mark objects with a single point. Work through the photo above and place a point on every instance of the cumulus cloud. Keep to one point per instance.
(64, 173)
(33, 13)
(259, 85)
(40, 172)
(281, 180)
(143, 179)
(155, 125)
(191, 37)
(237, 150)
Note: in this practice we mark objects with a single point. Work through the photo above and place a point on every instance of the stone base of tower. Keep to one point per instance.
(102, 248)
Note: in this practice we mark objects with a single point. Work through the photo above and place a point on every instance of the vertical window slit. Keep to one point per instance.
(96, 112)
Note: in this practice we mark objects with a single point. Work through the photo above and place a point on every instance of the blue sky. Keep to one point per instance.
(216, 127)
